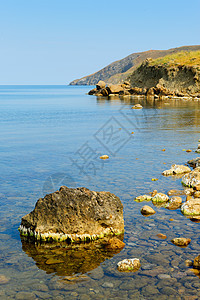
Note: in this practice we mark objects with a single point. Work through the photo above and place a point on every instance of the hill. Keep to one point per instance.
(119, 70)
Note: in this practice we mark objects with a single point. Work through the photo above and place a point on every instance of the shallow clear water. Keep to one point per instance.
(54, 135)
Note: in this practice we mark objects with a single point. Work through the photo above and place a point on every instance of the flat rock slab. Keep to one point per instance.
(74, 215)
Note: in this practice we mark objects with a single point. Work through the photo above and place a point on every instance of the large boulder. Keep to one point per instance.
(192, 179)
(100, 85)
(74, 215)
(115, 88)
(176, 169)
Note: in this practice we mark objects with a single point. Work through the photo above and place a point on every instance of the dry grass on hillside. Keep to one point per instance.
(189, 58)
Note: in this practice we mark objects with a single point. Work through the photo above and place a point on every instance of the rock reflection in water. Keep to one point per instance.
(68, 259)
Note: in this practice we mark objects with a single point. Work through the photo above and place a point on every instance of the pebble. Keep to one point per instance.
(164, 276)
(104, 157)
(107, 285)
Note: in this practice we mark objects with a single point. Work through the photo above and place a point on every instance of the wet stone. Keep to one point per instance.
(25, 296)
(164, 276)
(107, 285)
(97, 273)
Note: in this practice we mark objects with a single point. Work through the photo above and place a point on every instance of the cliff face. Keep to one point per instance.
(118, 71)
(179, 79)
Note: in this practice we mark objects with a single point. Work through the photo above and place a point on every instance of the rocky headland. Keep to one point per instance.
(118, 71)
(176, 75)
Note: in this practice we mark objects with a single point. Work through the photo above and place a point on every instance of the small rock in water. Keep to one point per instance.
(3, 279)
(143, 198)
(177, 169)
(114, 244)
(107, 285)
(164, 276)
(188, 263)
(175, 192)
(174, 203)
(163, 150)
(137, 106)
(160, 198)
(132, 264)
(147, 210)
(104, 157)
(191, 207)
(181, 242)
(154, 179)
(192, 179)
(189, 150)
(161, 236)
(196, 263)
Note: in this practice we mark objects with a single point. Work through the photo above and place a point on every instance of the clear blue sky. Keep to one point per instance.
(54, 42)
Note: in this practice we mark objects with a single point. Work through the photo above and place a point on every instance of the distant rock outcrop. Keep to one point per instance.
(118, 71)
(74, 215)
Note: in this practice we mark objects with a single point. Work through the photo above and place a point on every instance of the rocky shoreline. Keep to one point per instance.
(155, 81)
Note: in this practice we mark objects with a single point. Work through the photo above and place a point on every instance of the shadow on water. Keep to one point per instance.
(65, 259)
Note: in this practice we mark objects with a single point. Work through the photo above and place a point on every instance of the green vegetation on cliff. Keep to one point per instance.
(186, 58)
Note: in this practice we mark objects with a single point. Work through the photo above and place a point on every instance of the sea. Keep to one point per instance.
(54, 135)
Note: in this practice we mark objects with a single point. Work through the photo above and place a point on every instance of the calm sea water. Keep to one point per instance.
(54, 135)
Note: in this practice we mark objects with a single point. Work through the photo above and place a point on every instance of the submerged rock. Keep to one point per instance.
(191, 207)
(147, 210)
(176, 169)
(182, 242)
(114, 244)
(192, 179)
(175, 192)
(137, 106)
(132, 264)
(74, 215)
(160, 198)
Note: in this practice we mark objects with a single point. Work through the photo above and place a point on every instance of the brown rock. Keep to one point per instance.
(191, 207)
(92, 92)
(174, 203)
(194, 162)
(196, 263)
(4, 279)
(188, 263)
(75, 215)
(147, 210)
(197, 194)
(154, 193)
(197, 187)
(114, 88)
(114, 244)
(181, 242)
(192, 178)
(104, 156)
(137, 106)
(161, 236)
(175, 193)
(129, 265)
(176, 169)
(150, 92)
(100, 85)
